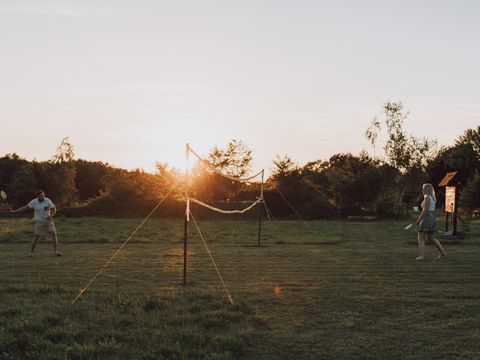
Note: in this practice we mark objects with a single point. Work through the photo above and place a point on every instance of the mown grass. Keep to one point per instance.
(316, 290)
(41, 324)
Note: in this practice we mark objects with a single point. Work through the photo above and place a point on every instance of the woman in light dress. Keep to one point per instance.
(427, 223)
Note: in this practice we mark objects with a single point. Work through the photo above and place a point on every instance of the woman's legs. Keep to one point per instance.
(437, 244)
(421, 246)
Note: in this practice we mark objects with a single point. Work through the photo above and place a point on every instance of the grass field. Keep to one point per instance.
(317, 290)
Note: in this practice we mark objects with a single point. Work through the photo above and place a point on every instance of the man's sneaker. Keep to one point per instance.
(58, 253)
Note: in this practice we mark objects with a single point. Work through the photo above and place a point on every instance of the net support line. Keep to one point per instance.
(187, 213)
(289, 204)
(269, 213)
(83, 290)
(213, 261)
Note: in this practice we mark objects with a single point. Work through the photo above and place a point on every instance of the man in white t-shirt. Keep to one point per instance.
(44, 212)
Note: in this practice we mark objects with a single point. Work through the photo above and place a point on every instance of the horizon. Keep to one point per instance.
(301, 79)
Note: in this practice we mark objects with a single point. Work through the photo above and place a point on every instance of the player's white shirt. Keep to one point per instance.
(42, 209)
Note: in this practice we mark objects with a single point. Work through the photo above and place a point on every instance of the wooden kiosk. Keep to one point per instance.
(450, 183)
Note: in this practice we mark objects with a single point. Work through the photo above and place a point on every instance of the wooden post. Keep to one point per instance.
(260, 205)
(455, 214)
(187, 209)
(185, 239)
(451, 200)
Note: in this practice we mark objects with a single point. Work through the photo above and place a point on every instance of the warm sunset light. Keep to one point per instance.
(215, 179)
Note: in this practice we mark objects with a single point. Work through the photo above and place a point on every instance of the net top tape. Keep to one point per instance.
(213, 208)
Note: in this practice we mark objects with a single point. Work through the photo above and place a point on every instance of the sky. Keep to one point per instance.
(131, 82)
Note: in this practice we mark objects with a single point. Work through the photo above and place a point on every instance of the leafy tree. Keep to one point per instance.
(127, 193)
(23, 186)
(472, 137)
(471, 193)
(356, 183)
(372, 132)
(235, 160)
(461, 158)
(89, 178)
(404, 152)
(65, 153)
(283, 167)
(12, 175)
(61, 174)
(287, 181)
(298, 190)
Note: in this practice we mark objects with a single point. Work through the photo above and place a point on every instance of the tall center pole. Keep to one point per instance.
(260, 205)
(187, 210)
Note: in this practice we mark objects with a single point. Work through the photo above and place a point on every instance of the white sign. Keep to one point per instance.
(450, 199)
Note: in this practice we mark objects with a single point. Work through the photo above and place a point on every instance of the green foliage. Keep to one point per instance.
(461, 158)
(345, 184)
(404, 152)
(283, 167)
(11, 166)
(235, 160)
(24, 184)
(357, 184)
(471, 193)
(472, 137)
(65, 153)
(397, 147)
(89, 178)
(126, 194)
(372, 131)
(59, 182)
(21, 178)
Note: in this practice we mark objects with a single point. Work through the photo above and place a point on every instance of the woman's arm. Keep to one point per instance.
(424, 210)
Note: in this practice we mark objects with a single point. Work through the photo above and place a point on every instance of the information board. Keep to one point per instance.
(450, 199)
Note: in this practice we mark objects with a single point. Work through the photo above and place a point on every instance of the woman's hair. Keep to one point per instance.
(430, 190)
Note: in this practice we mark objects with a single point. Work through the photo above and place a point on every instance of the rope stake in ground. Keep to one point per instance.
(214, 169)
(82, 291)
(213, 261)
(201, 203)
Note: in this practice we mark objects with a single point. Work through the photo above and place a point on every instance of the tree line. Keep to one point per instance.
(345, 184)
